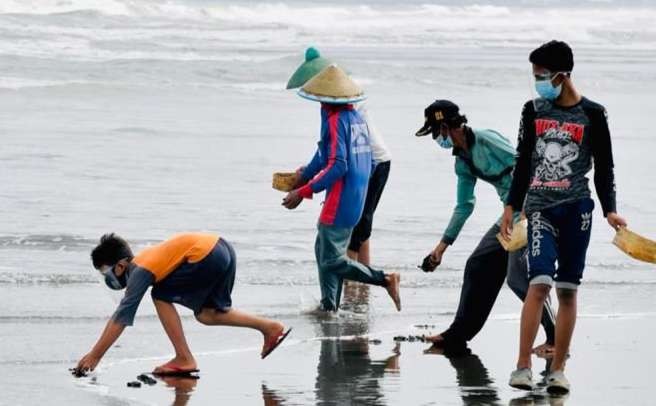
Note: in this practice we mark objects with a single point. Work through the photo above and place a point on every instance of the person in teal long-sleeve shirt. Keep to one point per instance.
(488, 156)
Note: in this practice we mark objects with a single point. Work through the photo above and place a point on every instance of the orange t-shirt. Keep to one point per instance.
(165, 257)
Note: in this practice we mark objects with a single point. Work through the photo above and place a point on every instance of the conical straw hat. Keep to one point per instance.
(332, 85)
(636, 246)
(313, 64)
(518, 237)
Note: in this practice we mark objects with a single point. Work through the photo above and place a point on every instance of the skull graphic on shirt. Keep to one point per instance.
(555, 155)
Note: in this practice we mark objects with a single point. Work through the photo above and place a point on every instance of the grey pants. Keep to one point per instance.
(485, 271)
(334, 266)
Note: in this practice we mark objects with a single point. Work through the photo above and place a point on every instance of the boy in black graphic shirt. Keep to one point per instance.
(561, 134)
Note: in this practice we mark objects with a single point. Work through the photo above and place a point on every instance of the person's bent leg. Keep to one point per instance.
(170, 320)
(484, 274)
(565, 322)
(329, 283)
(364, 255)
(334, 241)
(270, 329)
(358, 248)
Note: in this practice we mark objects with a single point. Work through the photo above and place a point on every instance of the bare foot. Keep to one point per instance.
(393, 288)
(435, 349)
(438, 339)
(543, 350)
(177, 365)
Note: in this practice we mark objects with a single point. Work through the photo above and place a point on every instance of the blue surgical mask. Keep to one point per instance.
(111, 280)
(444, 142)
(547, 90)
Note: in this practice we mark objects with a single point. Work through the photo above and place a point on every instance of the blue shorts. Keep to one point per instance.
(204, 284)
(559, 234)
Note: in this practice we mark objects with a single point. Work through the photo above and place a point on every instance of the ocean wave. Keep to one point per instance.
(180, 30)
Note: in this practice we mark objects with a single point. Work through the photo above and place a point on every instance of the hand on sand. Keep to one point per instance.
(87, 363)
(615, 220)
(507, 223)
(393, 288)
(292, 200)
(434, 350)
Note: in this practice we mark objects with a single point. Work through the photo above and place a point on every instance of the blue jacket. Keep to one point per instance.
(341, 166)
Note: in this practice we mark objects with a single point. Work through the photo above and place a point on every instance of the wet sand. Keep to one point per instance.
(353, 359)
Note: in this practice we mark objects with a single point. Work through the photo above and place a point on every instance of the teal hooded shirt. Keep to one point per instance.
(491, 158)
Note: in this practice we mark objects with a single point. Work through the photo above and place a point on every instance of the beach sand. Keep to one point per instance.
(149, 118)
(353, 359)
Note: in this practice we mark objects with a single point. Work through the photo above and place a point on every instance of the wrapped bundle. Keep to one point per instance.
(635, 246)
(518, 238)
(284, 181)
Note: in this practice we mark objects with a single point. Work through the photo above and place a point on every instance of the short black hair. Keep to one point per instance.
(554, 55)
(111, 249)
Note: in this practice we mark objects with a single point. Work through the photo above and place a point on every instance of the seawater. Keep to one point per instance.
(148, 118)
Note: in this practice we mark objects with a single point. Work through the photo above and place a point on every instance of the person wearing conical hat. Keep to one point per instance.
(341, 167)
(359, 246)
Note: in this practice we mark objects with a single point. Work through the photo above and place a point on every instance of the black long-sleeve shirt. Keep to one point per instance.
(556, 148)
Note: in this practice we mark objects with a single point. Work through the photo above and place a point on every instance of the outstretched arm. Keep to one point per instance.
(111, 333)
(464, 208)
(138, 284)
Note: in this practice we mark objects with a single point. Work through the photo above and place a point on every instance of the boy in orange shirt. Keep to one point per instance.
(195, 270)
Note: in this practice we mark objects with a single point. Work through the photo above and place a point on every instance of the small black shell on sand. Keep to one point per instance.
(146, 379)
(77, 372)
(410, 338)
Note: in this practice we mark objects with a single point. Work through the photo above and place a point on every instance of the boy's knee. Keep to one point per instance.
(332, 264)
(203, 316)
(539, 291)
(566, 297)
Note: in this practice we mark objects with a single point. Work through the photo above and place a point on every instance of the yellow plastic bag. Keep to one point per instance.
(518, 237)
(635, 246)
(284, 181)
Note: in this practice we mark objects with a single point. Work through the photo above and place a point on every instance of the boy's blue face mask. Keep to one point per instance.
(442, 138)
(545, 87)
(111, 280)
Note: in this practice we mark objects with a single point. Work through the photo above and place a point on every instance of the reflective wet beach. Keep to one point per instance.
(147, 120)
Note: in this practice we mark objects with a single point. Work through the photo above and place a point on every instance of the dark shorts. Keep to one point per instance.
(377, 181)
(204, 284)
(559, 234)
